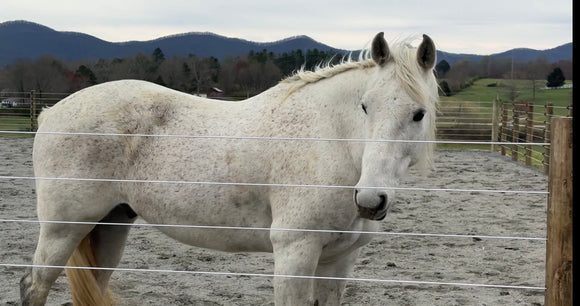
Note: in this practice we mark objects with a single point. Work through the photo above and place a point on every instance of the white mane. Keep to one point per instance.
(403, 55)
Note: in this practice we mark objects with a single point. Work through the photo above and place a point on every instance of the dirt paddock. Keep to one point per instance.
(458, 260)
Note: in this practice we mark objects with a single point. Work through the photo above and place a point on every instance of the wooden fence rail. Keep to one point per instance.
(524, 127)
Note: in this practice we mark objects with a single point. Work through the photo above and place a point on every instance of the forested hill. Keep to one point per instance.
(21, 39)
(27, 40)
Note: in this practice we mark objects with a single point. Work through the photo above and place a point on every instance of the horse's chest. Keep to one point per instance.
(349, 240)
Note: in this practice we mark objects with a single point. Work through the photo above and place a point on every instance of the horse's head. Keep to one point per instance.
(399, 106)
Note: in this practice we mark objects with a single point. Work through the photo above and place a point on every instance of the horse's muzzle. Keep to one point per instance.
(372, 206)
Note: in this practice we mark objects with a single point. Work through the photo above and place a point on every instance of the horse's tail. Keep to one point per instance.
(84, 286)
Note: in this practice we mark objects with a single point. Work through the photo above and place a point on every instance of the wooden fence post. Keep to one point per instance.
(515, 133)
(559, 243)
(494, 124)
(548, 113)
(504, 129)
(529, 132)
(32, 111)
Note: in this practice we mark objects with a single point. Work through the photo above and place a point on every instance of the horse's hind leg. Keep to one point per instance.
(102, 248)
(58, 240)
(56, 243)
(110, 240)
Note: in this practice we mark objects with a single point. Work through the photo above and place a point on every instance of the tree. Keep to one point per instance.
(141, 67)
(81, 78)
(460, 73)
(49, 75)
(160, 81)
(536, 70)
(17, 76)
(512, 91)
(566, 66)
(539, 68)
(444, 88)
(442, 68)
(200, 72)
(556, 78)
(158, 55)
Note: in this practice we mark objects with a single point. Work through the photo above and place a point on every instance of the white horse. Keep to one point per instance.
(388, 94)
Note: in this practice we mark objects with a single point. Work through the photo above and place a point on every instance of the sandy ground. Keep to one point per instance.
(389, 257)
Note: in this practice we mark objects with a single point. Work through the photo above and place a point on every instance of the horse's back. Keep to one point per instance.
(74, 136)
(113, 107)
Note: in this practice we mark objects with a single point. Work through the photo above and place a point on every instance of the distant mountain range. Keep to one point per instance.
(28, 40)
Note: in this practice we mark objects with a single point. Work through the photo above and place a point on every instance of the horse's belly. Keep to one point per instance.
(227, 218)
(233, 239)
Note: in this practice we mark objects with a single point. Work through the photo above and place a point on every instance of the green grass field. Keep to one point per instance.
(480, 91)
(10, 123)
(476, 101)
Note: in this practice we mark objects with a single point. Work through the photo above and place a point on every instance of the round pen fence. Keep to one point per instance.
(473, 231)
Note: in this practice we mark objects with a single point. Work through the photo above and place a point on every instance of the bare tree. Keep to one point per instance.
(17, 76)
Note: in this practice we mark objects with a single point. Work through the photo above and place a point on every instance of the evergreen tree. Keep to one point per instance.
(442, 68)
(556, 78)
(444, 88)
(158, 55)
(160, 81)
(87, 73)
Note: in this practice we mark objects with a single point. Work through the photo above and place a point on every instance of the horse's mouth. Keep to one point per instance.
(381, 216)
(372, 214)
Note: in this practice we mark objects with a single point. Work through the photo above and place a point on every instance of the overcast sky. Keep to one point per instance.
(457, 26)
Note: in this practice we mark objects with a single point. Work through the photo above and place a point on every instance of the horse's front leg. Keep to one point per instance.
(296, 256)
(329, 291)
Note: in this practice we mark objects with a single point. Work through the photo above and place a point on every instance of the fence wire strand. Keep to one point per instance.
(377, 280)
(5, 177)
(225, 137)
(377, 233)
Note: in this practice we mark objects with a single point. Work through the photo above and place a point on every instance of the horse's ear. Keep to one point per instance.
(426, 54)
(380, 49)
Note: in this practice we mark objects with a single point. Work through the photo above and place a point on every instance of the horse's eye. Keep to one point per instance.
(364, 108)
(418, 115)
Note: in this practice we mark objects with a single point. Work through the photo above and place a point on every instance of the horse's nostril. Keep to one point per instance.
(383, 203)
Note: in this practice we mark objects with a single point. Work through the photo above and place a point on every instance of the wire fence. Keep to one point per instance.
(496, 191)
(466, 125)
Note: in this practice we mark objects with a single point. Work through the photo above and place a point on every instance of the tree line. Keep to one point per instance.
(241, 76)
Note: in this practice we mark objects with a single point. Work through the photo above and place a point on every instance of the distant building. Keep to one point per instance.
(215, 93)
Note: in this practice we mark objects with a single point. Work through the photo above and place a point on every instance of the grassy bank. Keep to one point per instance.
(486, 90)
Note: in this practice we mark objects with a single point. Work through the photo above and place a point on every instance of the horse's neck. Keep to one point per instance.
(339, 99)
(329, 108)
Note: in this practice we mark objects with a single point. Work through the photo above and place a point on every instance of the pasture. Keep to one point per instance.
(407, 265)
(489, 89)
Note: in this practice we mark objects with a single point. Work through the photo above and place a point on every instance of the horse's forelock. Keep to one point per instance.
(421, 86)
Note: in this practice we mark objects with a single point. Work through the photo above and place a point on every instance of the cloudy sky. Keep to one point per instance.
(458, 26)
